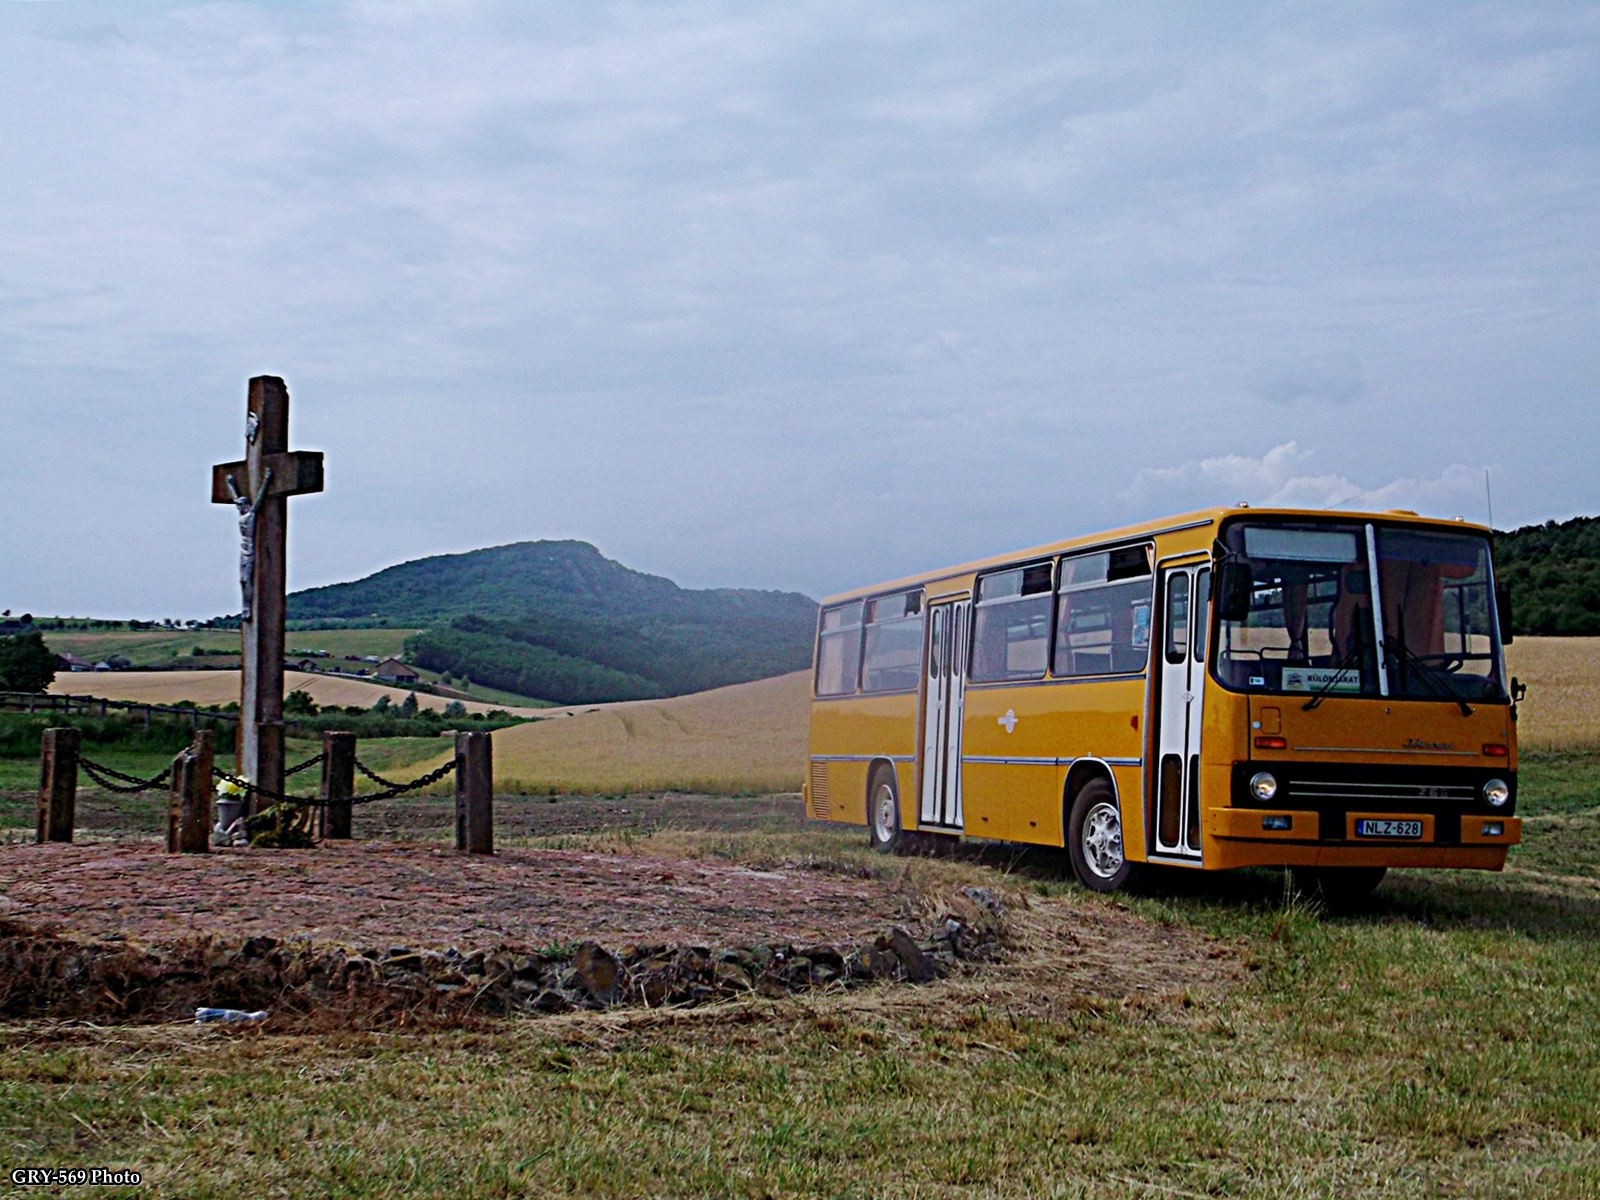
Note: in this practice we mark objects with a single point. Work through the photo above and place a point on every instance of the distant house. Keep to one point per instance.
(71, 662)
(394, 669)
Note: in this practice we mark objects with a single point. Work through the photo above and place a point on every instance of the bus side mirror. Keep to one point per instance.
(1502, 608)
(1234, 585)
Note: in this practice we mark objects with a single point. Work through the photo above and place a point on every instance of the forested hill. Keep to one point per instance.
(1554, 572)
(560, 621)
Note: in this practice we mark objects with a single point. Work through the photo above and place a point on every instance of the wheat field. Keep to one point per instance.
(1562, 711)
(219, 687)
(750, 737)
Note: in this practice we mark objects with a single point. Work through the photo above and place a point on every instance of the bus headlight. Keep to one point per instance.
(1264, 785)
(1496, 792)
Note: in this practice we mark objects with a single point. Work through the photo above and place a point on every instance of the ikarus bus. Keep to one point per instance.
(1228, 688)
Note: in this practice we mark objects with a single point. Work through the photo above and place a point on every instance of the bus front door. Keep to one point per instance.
(944, 691)
(1185, 592)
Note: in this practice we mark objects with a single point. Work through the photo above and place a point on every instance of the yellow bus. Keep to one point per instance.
(1227, 688)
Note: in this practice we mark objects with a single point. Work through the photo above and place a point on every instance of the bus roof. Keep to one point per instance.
(1172, 524)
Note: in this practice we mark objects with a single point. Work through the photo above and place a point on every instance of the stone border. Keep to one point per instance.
(112, 980)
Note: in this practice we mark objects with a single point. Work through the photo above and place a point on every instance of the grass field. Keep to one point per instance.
(160, 647)
(1442, 1043)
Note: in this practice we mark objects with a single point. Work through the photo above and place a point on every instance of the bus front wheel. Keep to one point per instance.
(883, 813)
(1094, 839)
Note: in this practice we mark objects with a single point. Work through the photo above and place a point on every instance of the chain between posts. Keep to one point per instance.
(390, 792)
(305, 766)
(129, 785)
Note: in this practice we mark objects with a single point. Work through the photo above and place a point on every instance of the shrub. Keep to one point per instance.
(300, 703)
(26, 663)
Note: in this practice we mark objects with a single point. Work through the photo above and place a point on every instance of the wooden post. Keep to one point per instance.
(58, 785)
(264, 481)
(147, 718)
(189, 810)
(338, 781)
(474, 793)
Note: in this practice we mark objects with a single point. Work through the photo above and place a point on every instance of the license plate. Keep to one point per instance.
(1367, 827)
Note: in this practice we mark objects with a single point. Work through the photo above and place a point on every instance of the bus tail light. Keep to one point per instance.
(1272, 743)
(1495, 750)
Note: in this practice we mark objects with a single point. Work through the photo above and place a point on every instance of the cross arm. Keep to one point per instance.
(295, 473)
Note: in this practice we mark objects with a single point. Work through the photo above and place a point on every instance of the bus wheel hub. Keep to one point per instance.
(1102, 840)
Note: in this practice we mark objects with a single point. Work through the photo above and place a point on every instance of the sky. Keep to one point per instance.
(799, 296)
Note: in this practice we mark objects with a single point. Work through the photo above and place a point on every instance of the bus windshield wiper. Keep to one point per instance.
(1322, 692)
(1432, 674)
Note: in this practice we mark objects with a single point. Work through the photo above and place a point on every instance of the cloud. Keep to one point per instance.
(1285, 477)
(1320, 379)
(793, 295)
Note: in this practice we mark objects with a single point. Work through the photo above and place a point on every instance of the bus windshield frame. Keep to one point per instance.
(1322, 624)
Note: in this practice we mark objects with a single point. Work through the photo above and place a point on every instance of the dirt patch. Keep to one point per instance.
(379, 894)
(382, 932)
(1098, 947)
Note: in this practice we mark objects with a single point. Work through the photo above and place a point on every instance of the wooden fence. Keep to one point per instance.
(99, 706)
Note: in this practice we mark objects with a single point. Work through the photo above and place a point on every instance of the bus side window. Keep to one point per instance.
(1011, 635)
(1202, 613)
(1103, 615)
(839, 650)
(892, 658)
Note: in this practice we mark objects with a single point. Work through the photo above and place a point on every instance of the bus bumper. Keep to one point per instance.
(1243, 837)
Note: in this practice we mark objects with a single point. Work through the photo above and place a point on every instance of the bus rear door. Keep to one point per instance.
(944, 692)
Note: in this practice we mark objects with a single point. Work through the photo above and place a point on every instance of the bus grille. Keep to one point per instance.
(820, 805)
(1383, 796)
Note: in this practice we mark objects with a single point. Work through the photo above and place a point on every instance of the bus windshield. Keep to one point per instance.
(1311, 628)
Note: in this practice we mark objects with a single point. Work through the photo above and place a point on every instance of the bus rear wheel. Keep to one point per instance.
(883, 812)
(1094, 839)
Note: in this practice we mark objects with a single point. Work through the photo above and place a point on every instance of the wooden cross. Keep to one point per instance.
(260, 487)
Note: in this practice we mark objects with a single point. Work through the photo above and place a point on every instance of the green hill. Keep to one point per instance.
(1554, 572)
(560, 621)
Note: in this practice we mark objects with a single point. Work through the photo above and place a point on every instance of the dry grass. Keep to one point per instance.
(747, 738)
(1562, 711)
(1214, 1039)
(219, 687)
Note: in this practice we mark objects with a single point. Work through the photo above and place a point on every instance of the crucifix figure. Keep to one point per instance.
(247, 538)
(259, 489)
